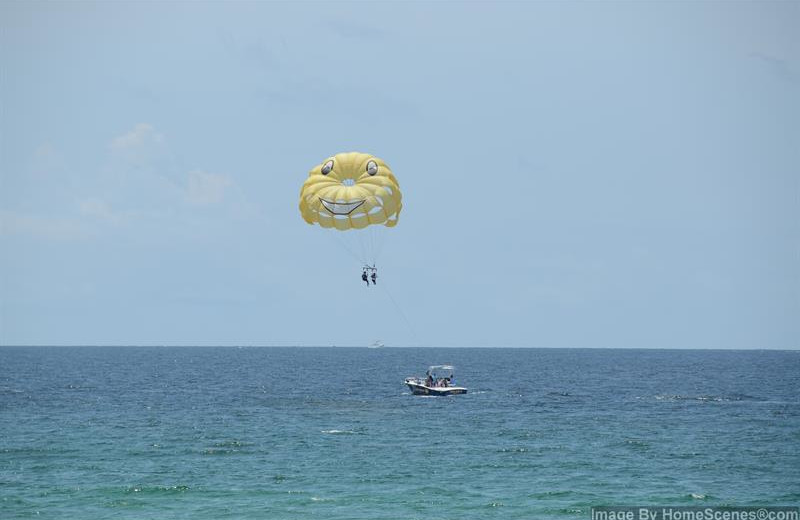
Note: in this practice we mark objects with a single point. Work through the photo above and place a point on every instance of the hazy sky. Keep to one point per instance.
(593, 174)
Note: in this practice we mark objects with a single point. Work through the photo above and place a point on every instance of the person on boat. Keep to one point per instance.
(429, 380)
(374, 276)
(445, 382)
(364, 277)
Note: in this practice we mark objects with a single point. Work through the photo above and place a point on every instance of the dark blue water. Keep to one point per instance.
(332, 432)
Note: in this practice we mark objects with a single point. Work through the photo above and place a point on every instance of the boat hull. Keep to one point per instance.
(418, 389)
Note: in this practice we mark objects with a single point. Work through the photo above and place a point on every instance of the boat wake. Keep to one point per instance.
(707, 398)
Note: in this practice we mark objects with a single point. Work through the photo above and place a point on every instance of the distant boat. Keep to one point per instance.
(377, 344)
(438, 381)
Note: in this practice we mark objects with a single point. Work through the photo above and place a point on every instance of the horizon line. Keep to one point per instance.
(122, 345)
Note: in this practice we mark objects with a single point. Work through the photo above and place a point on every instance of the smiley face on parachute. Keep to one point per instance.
(351, 191)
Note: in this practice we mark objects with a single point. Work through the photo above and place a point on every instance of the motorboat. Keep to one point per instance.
(438, 380)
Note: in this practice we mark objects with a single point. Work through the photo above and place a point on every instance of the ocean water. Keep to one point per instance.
(297, 433)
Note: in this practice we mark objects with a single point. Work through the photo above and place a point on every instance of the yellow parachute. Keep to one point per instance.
(351, 190)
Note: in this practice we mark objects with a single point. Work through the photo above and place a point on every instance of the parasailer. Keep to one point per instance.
(353, 194)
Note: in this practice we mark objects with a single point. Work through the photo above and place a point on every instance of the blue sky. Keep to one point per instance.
(604, 174)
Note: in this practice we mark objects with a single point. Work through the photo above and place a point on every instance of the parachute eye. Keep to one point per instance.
(326, 169)
(372, 168)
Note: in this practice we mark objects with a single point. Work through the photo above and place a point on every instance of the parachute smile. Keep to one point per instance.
(341, 208)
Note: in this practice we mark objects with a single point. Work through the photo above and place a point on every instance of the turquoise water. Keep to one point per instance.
(296, 433)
